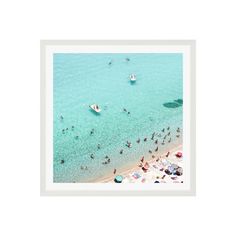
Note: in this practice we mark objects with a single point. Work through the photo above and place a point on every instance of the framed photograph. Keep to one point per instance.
(118, 117)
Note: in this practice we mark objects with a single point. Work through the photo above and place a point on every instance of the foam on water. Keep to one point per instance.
(83, 79)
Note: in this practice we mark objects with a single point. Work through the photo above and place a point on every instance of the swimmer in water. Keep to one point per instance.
(61, 117)
(163, 130)
(168, 128)
(72, 127)
(128, 113)
(63, 131)
(121, 151)
(99, 146)
(62, 161)
(92, 132)
(129, 145)
(92, 156)
(124, 110)
(138, 141)
(77, 137)
(156, 142)
(152, 138)
(110, 63)
(145, 139)
(127, 59)
(150, 151)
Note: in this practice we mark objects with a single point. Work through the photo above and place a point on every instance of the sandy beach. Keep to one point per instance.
(159, 169)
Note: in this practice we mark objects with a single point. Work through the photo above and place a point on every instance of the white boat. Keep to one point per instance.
(95, 107)
(132, 78)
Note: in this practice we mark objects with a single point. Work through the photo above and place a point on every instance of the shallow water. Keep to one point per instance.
(84, 79)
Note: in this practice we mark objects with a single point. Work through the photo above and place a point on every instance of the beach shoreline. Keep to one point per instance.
(151, 161)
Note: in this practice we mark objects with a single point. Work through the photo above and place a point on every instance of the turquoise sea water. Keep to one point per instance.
(83, 79)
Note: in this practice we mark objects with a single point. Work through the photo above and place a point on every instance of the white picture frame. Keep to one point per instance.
(48, 47)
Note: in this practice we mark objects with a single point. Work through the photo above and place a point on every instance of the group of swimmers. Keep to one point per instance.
(165, 131)
(129, 144)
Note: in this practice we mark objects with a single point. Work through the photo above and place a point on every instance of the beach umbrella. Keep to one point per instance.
(179, 154)
(118, 179)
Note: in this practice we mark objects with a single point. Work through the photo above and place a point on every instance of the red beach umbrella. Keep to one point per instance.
(179, 154)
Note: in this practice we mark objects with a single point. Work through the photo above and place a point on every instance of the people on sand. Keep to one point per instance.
(169, 140)
(150, 151)
(142, 159)
(178, 136)
(145, 167)
(167, 154)
(178, 130)
(156, 142)
(114, 171)
(156, 149)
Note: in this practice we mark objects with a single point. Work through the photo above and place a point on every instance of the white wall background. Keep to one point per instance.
(23, 23)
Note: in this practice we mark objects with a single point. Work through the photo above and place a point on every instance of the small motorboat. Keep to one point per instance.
(95, 107)
(132, 78)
